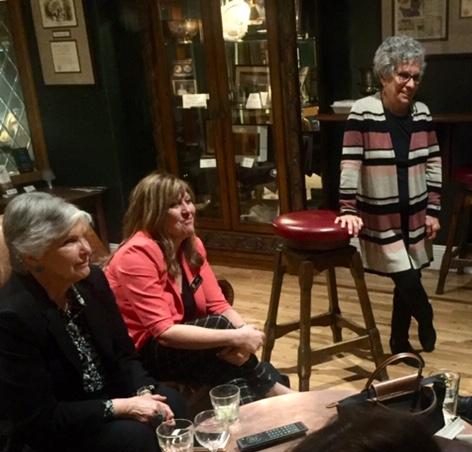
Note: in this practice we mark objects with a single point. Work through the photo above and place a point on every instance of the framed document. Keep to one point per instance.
(422, 20)
(65, 56)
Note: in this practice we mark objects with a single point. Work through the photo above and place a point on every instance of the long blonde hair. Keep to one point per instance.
(149, 203)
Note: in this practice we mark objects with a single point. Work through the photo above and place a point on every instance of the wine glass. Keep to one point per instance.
(211, 432)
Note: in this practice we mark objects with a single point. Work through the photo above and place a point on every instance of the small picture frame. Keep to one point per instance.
(23, 160)
(425, 21)
(465, 11)
(182, 68)
(57, 13)
(182, 87)
(251, 141)
(252, 79)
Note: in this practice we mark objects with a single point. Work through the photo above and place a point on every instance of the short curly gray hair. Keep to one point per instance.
(34, 221)
(396, 50)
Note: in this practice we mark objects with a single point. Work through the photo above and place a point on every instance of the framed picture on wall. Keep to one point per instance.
(422, 20)
(57, 13)
(465, 9)
(61, 34)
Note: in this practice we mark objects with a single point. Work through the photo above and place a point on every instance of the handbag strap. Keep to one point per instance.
(391, 360)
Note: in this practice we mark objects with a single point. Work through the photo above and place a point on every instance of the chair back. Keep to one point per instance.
(5, 268)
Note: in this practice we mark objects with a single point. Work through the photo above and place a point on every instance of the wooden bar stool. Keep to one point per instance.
(458, 228)
(312, 243)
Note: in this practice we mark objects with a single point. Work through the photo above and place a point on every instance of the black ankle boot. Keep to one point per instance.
(402, 347)
(427, 336)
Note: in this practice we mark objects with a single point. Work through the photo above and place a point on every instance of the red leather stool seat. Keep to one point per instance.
(463, 175)
(311, 230)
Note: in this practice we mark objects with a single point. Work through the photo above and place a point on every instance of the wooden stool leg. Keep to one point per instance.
(357, 271)
(462, 247)
(305, 280)
(451, 236)
(334, 309)
(271, 321)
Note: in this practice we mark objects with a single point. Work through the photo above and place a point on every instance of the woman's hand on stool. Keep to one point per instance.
(353, 223)
(432, 227)
(143, 408)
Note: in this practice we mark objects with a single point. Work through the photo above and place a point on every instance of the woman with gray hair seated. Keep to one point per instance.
(390, 186)
(69, 376)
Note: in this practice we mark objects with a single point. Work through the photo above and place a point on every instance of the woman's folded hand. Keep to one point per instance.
(249, 338)
(232, 355)
(142, 408)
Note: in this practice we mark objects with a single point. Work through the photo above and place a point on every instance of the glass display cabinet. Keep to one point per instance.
(229, 81)
(22, 147)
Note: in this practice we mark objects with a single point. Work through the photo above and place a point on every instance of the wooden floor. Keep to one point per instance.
(453, 321)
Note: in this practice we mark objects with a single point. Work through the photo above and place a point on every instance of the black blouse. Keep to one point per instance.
(400, 131)
(76, 326)
(188, 299)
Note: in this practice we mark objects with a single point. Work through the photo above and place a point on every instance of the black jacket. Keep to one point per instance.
(41, 390)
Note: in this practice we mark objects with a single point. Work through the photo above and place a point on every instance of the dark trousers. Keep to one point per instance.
(203, 367)
(409, 300)
(121, 435)
(117, 435)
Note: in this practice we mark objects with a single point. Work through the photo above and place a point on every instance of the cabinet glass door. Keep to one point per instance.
(194, 130)
(247, 62)
(310, 149)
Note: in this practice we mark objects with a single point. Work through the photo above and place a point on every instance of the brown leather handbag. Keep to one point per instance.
(413, 394)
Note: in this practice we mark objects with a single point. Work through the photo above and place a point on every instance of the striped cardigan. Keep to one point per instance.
(369, 186)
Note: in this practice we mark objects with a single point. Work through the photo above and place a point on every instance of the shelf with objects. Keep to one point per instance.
(227, 112)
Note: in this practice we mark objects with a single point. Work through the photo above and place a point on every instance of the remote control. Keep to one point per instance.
(271, 437)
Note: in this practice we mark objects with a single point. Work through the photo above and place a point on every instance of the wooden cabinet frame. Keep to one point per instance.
(229, 237)
(17, 29)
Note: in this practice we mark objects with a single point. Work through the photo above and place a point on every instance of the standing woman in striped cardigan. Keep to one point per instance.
(390, 186)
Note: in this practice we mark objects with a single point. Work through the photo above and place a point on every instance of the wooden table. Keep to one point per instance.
(87, 198)
(308, 407)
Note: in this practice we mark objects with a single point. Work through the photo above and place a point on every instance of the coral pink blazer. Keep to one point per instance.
(148, 297)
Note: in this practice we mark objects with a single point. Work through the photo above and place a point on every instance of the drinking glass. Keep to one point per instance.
(211, 431)
(452, 380)
(176, 435)
(225, 400)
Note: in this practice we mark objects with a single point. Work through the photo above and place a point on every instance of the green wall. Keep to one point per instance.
(100, 134)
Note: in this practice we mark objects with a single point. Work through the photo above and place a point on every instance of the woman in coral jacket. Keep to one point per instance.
(171, 302)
